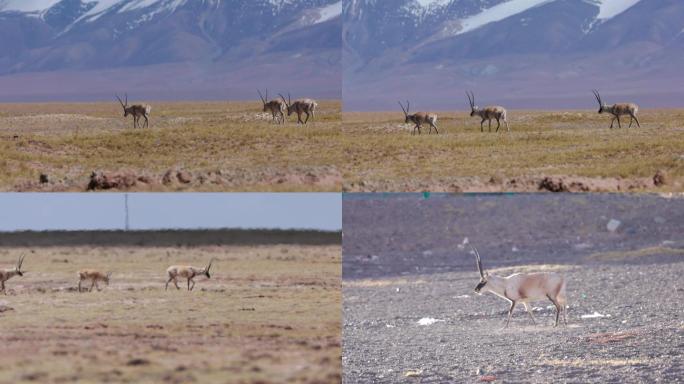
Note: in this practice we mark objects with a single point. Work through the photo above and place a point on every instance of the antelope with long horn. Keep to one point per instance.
(94, 277)
(300, 106)
(524, 288)
(137, 111)
(275, 106)
(618, 110)
(187, 272)
(8, 273)
(487, 113)
(418, 118)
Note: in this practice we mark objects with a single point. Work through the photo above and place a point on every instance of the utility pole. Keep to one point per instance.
(126, 207)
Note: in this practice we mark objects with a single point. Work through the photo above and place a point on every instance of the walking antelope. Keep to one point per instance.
(487, 113)
(524, 288)
(6, 274)
(187, 272)
(300, 106)
(618, 110)
(419, 118)
(275, 106)
(137, 111)
(94, 276)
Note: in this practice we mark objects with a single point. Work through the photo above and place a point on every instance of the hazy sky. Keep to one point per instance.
(70, 211)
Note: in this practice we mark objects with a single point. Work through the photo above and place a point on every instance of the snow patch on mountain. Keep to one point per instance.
(432, 3)
(329, 12)
(26, 5)
(498, 13)
(611, 8)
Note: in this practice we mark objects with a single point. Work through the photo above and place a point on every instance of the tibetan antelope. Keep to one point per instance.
(524, 288)
(6, 274)
(94, 277)
(275, 106)
(487, 113)
(187, 272)
(300, 106)
(419, 118)
(618, 110)
(137, 111)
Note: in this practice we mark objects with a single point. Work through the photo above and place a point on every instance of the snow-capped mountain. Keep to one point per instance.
(194, 42)
(532, 52)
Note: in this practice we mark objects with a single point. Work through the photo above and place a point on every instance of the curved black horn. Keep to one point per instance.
(597, 95)
(283, 97)
(120, 102)
(402, 108)
(479, 261)
(262, 97)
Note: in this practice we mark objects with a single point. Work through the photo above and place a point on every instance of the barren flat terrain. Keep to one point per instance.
(195, 146)
(411, 315)
(269, 313)
(544, 151)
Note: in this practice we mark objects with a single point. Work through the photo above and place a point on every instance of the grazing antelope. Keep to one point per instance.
(275, 106)
(6, 274)
(300, 106)
(137, 111)
(419, 118)
(94, 276)
(618, 110)
(524, 288)
(186, 272)
(487, 113)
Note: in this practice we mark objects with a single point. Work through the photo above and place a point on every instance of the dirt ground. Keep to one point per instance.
(268, 314)
(195, 146)
(404, 260)
(544, 151)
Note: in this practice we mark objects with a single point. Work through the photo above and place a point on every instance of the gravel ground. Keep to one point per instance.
(404, 265)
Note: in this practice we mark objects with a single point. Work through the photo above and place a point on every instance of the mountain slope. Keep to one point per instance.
(529, 53)
(217, 37)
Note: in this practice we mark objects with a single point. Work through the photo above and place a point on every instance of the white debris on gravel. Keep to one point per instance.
(613, 225)
(427, 253)
(463, 244)
(462, 297)
(428, 321)
(594, 315)
(514, 249)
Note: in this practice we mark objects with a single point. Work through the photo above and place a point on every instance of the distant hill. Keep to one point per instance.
(524, 53)
(168, 49)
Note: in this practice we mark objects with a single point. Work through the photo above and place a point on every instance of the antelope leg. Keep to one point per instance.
(498, 125)
(510, 313)
(527, 308)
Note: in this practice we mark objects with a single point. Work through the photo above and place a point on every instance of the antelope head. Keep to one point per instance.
(406, 111)
(483, 275)
(106, 279)
(124, 105)
(264, 99)
(288, 103)
(471, 100)
(600, 102)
